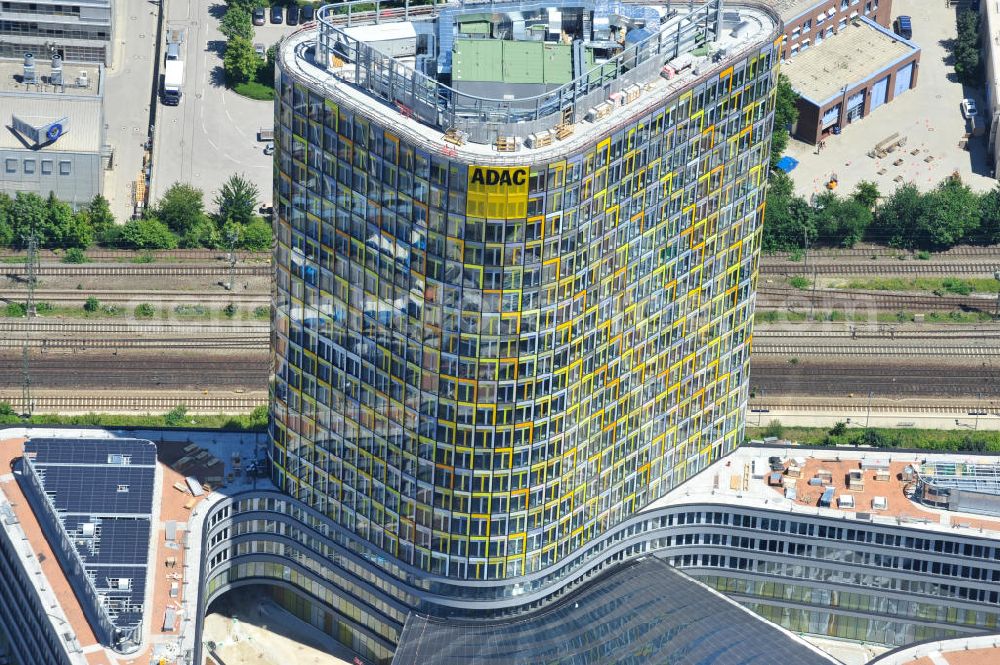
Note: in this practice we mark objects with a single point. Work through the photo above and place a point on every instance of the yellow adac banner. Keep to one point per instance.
(497, 192)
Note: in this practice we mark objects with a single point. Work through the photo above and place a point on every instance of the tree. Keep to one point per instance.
(28, 214)
(839, 428)
(894, 220)
(6, 222)
(237, 200)
(204, 234)
(965, 49)
(786, 114)
(949, 214)
(99, 215)
(788, 219)
(256, 236)
(181, 208)
(989, 217)
(840, 222)
(147, 234)
(241, 61)
(237, 23)
(866, 193)
(74, 255)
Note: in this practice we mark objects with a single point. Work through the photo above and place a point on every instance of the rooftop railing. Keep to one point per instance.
(442, 106)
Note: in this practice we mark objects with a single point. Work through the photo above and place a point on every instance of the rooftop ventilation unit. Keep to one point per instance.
(82, 81)
(56, 78)
(29, 68)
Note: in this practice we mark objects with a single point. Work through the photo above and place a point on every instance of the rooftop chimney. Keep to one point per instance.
(29, 68)
(57, 74)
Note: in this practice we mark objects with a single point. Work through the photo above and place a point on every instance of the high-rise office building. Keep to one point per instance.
(516, 256)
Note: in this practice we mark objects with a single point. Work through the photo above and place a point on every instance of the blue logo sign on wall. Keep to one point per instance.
(54, 132)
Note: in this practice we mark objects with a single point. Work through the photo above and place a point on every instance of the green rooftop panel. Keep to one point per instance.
(476, 60)
(522, 62)
(557, 63)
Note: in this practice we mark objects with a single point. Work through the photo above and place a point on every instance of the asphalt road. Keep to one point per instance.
(212, 133)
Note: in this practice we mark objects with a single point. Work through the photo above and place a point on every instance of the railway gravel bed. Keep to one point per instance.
(128, 370)
(917, 268)
(770, 379)
(824, 299)
(78, 297)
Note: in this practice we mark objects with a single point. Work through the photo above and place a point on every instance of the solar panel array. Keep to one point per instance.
(636, 614)
(102, 490)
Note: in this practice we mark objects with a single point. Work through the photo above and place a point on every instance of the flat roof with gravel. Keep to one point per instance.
(855, 54)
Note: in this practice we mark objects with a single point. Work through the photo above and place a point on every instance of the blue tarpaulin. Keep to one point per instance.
(787, 163)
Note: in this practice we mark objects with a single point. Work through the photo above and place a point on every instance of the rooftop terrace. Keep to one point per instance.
(743, 478)
(471, 70)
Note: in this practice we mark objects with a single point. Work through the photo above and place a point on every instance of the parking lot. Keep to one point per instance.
(928, 116)
(212, 134)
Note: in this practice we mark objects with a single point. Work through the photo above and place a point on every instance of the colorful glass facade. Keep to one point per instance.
(482, 363)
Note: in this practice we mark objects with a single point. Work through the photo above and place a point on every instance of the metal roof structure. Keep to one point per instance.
(637, 613)
(96, 496)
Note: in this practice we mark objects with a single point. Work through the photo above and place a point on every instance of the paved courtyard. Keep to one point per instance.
(127, 88)
(928, 116)
(212, 134)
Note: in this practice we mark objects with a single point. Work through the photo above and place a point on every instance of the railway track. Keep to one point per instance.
(917, 268)
(883, 332)
(137, 327)
(782, 298)
(16, 271)
(98, 403)
(136, 370)
(797, 350)
(962, 408)
(83, 344)
(74, 297)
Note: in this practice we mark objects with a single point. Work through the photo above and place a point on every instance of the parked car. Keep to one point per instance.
(269, 149)
(260, 50)
(308, 13)
(904, 27)
(259, 16)
(969, 109)
(266, 209)
(277, 14)
(293, 15)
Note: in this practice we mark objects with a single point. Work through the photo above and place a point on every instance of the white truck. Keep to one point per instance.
(173, 79)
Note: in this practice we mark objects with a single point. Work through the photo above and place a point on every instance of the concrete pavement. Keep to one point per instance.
(927, 115)
(126, 100)
(212, 134)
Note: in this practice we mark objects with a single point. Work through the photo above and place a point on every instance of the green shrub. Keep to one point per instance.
(774, 428)
(230, 310)
(74, 255)
(145, 311)
(262, 312)
(43, 308)
(800, 282)
(145, 257)
(92, 304)
(255, 90)
(175, 416)
(16, 309)
(924, 255)
(190, 310)
(956, 286)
